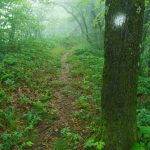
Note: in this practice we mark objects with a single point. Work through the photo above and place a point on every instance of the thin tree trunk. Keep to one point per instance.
(86, 28)
(97, 30)
(11, 37)
(149, 64)
(123, 37)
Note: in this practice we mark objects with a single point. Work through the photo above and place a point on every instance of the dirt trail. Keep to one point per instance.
(63, 103)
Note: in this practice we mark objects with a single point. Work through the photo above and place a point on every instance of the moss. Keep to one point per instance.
(120, 74)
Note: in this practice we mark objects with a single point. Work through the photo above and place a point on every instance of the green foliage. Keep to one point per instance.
(143, 135)
(29, 68)
(17, 24)
(69, 140)
(73, 138)
(25, 88)
(25, 100)
(48, 95)
(89, 62)
(13, 139)
(90, 143)
(143, 117)
(83, 102)
(61, 144)
(146, 2)
(137, 146)
(3, 96)
(144, 85)
(87, 80)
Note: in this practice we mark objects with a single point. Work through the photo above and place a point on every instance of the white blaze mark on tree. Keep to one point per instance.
(119, 20)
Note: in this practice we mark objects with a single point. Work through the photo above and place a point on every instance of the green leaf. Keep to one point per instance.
(145, 130)
(99, 145)
(137, 146)
(29, 143)
(89, 143)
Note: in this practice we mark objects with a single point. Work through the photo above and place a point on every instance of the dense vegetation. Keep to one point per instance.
(52, 56)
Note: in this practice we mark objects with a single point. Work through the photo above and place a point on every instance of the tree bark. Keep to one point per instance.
(86, 28)
(82, 23)
(97, 30)
(149, 64)
(123, 37)
(11, 37)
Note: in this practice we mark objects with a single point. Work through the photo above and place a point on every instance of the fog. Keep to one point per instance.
(54, 19)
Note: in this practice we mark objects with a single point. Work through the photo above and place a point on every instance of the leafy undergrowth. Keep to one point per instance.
(86, 81)
(27, 84)
(86, 74)
(25, 92)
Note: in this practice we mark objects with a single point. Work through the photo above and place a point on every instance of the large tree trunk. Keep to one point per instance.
(123, 36)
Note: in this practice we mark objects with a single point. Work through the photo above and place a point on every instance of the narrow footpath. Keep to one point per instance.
(63, 104)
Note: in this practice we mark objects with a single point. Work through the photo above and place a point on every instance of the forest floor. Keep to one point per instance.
(76, 102)
(50, 98)
(63, 104)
